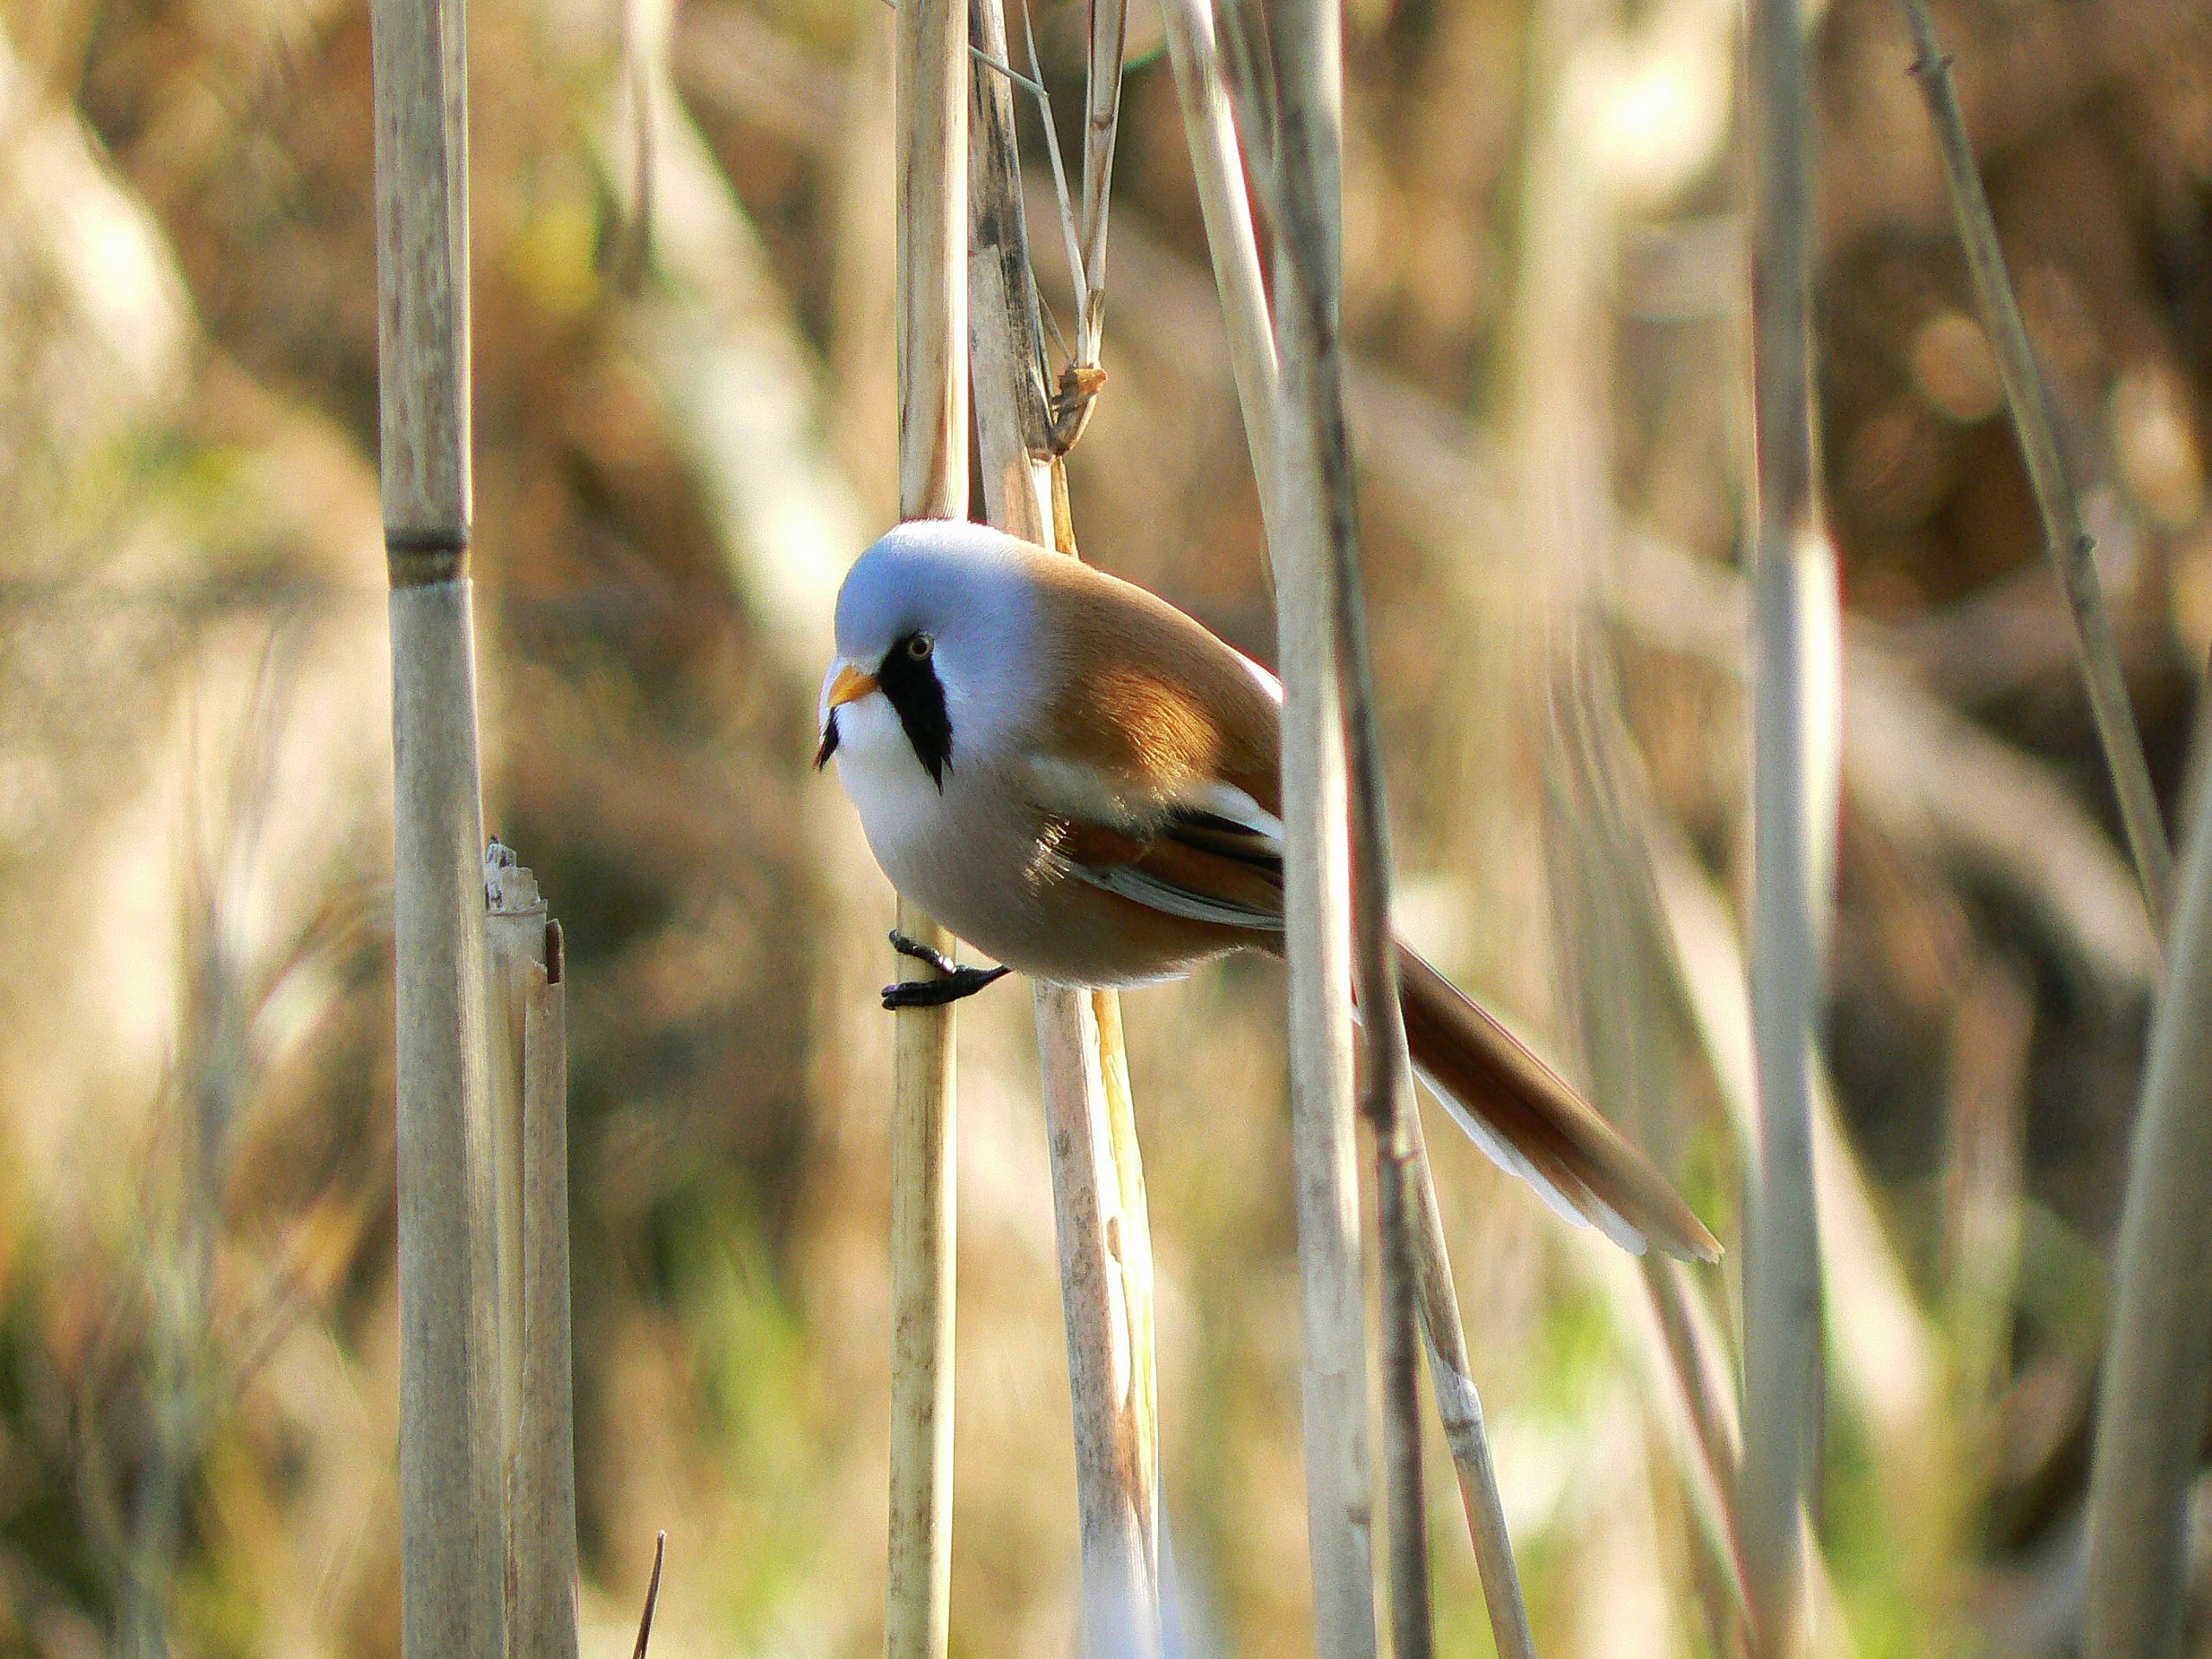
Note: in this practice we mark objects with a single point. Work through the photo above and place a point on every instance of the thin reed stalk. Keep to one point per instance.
(450, 1508)
(2072, 550)
(932, 327)
(1795, 693)
(1097, 1179)
(1209, 124)
(2150, 1407)
(1460, 1407)
(1317, 851)
(1108, 43)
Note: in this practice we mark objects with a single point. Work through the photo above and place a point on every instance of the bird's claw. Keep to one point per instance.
(954, 982)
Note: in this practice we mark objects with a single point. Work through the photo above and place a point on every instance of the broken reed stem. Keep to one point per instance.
(2072, 550)
(2150, 1407)
(1098, 1179)
(514, 953)
(450, 1512)
(932, 331)
(529, 1093)
(1795, 692)
(1317, 854)
(644, 1641)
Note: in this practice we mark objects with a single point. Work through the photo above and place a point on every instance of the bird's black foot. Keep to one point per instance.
(956, 982)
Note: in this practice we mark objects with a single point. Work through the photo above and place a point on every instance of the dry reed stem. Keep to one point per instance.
(1109, 42)
(652, 1598)
(2073, 552)
(450, 1526)
(931, 324)
(514, 954)
(1316, 852)
(450, 1509)
(2151, 1405)
(530, 1090)
(1796, 647)
(1387, 1097)
(1209, 123)
(1460, 1407)
(1098, 1179)
(1310, 94)
(1202, 78)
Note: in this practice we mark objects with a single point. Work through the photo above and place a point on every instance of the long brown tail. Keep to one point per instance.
(1524, 1115)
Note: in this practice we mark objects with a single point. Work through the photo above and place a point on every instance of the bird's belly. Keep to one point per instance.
(980, 867)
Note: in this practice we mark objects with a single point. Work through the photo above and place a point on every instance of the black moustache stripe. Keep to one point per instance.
(917, 697)
(829, 741)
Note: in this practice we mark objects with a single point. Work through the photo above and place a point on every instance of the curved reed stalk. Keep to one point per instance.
(2151, 1407)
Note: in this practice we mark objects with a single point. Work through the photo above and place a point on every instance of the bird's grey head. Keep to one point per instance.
(934, 618)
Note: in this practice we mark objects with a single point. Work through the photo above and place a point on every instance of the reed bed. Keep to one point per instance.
(681, 436)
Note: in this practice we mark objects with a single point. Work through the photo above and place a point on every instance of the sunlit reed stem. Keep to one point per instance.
(932, 330)
(1317, 861)
(1098, 1181)
(1795, 692)
(1202, 76)
(1209, 124)
(1312, 240)
(450, 1520)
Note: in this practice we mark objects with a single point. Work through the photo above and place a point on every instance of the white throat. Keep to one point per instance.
(898, 800)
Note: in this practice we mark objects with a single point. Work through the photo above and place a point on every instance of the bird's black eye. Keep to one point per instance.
(920, 646)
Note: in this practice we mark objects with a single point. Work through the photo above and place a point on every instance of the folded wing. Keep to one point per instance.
(1171, 801)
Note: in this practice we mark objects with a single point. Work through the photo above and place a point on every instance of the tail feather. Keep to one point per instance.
(1534, 1124)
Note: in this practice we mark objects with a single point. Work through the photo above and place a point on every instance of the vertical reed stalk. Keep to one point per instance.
(1795, 692)
(2072, 551)
(1097, 1178)
(1317, 854)
(450, 1524)
(2150, 1408)
(1313, 240)
(933, 328)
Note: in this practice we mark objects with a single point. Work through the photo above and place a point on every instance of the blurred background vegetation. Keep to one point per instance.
(684, 396)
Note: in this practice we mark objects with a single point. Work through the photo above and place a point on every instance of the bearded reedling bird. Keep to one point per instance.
(1081, 781)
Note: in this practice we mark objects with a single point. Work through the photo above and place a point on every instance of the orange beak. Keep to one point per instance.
(849, 685)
